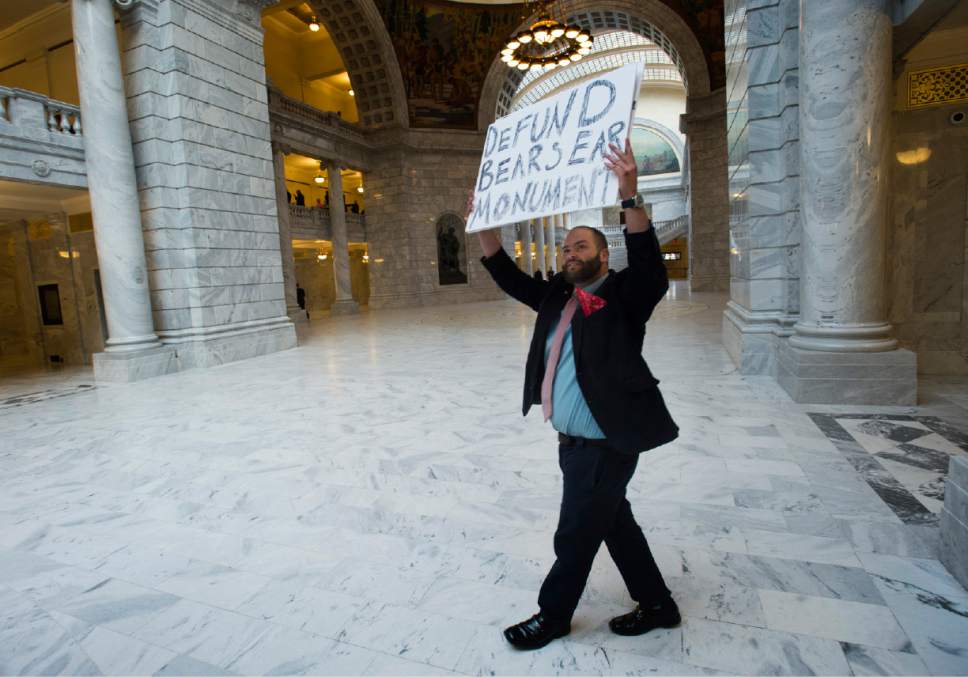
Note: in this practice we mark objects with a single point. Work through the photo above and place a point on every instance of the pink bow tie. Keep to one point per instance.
(589, 302)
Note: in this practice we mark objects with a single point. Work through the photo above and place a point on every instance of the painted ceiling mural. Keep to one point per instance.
(446, 48)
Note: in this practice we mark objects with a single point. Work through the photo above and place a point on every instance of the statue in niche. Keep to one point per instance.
(451, 251)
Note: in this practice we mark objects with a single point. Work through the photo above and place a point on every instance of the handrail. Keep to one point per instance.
(25, 109)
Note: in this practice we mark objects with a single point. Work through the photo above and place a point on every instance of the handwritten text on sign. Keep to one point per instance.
(548, 158)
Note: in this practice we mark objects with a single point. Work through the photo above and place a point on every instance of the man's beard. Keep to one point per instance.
(586, 272)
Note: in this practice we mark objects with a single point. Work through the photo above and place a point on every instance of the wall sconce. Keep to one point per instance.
(314, 25)
(321, 257)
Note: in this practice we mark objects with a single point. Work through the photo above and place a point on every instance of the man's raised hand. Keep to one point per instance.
(622, 163)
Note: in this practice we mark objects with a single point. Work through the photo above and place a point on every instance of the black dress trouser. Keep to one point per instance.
(594, 509)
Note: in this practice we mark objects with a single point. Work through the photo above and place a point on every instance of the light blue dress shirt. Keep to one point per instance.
(569, 411)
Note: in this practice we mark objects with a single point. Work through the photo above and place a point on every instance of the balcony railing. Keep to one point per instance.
(34, 113)
(326, 122)
(671, 229)
(40, 138)
(314, 223)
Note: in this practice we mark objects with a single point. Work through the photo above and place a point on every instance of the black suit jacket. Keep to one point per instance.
(621, 392)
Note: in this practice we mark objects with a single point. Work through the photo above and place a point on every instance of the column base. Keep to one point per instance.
(344, 307)
(954, 520)
(752, 338)
(817, 377)
(229, 343)
(134, 365)
(297, 315)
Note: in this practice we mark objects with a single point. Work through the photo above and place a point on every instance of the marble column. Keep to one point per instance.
(295, 313)
(842, 350)
(344, 303)
(550, 225)
(527, 263)
(132, 345)
(538, 226)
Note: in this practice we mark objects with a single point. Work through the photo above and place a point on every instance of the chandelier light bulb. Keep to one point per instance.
(564, 62)
(513, 62)
(583, 37)
(557, 32)
(513, 44)
(535, 66)
(507, 51)
(506, 57)
(541, 35)
(571, 32)
(584, 50)
(525, 38)
(522, 66)
(575, 57)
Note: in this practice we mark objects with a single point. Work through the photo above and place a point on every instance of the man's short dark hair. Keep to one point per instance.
(598, 236)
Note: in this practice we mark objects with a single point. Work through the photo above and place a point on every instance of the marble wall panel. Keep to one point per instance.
(928, 240)
(764, 179)
(21, 343)
(410, 189)
(197, 102)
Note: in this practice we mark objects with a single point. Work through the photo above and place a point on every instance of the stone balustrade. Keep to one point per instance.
(321, 134)
(41, 139)
(312, 223)
(671, 229)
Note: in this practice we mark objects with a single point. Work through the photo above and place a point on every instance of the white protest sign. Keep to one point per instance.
(548, 158)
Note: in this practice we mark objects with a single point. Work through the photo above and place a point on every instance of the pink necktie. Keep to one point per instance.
(549, 375)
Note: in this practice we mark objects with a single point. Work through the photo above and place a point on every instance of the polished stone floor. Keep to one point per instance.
(372, 502)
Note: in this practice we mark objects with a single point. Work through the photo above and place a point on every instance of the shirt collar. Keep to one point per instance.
(593, 287)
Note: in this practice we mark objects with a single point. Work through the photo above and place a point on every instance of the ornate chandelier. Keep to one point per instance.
(547, 44)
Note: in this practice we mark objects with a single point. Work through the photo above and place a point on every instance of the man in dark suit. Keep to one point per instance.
(585, 368)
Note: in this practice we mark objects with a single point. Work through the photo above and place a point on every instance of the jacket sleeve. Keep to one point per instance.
(646, 280)
(515, 282)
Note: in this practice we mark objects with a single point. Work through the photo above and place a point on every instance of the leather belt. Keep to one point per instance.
(570, 441)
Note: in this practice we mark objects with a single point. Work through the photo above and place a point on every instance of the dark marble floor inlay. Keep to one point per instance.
(904, 459)
(43, 395)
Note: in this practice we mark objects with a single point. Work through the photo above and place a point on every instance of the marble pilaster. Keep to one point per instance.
(198, 107)
(114, 199)
(527, 263)
(344, 303)
(295, 313)
(842, 350)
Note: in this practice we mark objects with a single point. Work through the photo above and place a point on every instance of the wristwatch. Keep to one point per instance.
(634, 202)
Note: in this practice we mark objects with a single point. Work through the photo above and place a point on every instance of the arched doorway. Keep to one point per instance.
(704, 122)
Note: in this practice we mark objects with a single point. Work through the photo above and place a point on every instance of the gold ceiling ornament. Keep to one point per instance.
(936, 86)
(547, 44)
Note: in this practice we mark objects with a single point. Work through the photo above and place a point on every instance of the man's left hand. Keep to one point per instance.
(623, 164)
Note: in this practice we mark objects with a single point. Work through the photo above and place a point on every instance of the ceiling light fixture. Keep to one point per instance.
(547, 44)
(314, 25)
(319, 178)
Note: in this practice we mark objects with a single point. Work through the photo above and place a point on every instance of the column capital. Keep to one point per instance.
(279, 147)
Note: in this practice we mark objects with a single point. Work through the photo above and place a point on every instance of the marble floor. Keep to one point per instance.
(372, 502)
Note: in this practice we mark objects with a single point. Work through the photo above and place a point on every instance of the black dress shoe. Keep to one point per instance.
(642, 619)
(535, 632)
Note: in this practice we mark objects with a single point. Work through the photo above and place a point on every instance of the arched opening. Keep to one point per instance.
(675, 66)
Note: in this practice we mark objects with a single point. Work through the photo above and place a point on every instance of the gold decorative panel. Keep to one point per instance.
(935, 86)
